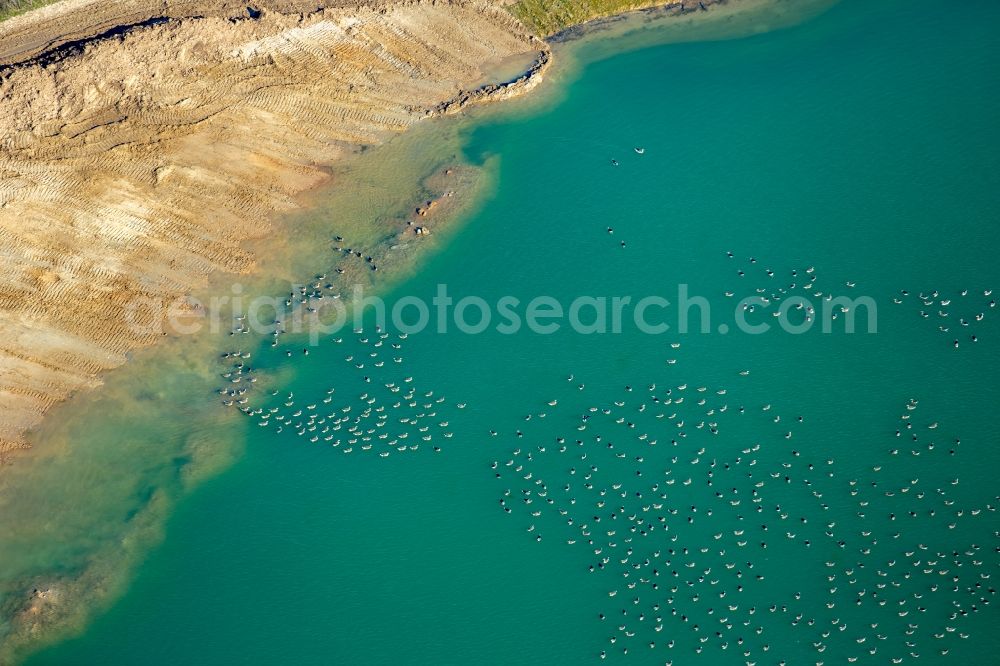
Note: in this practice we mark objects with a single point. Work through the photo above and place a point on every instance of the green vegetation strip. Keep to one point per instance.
(9, 8)
(548, 17)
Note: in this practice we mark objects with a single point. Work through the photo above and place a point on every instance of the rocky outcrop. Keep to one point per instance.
(498, 91)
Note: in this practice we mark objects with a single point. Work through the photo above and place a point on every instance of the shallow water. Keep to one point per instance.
(87, 502)
(861, 144)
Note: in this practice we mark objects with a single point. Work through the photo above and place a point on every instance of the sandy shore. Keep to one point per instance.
(145, 146)
(147, 141)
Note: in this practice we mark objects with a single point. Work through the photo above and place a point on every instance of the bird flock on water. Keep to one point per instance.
(376, 406)
(959, 315)
(710, 524)
(690, 507)
(384, 410)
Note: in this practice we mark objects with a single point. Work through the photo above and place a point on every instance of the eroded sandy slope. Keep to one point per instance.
(134, 166)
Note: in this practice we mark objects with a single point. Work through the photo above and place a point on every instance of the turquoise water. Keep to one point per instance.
(861, 144)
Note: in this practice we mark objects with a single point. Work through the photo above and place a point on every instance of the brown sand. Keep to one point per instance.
(135, 164)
